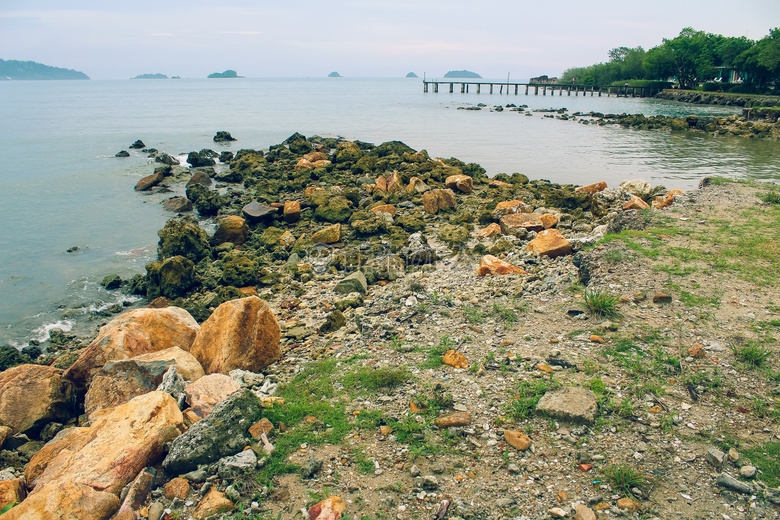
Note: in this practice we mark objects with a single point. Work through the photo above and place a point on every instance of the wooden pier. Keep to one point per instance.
(509, 88)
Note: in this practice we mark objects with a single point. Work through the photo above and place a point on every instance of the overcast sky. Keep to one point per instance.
(357, 38)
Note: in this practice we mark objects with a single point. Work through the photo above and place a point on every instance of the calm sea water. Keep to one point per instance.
(62, 186)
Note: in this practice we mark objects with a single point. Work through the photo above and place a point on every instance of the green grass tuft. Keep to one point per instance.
(625, 478)
(601, 304)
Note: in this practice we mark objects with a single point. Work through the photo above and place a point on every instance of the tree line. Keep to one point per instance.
(691, 59)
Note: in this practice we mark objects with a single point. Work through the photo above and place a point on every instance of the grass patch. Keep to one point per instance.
(752, 354)
(374, 379)
(625, 478)
(770, 197)
(505, 314)
(526, 395)
(473, 315)
(767, 459)
(601, 304)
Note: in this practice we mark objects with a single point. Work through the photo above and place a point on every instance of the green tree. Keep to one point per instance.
(682, 57)
(761, 62)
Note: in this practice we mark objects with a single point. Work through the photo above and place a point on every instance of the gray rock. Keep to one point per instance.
(715, 457)
(247, 379)
(197, 476)
(238, 464)
(428, 483)
(571, 404)
(223, 432)
(311, 467)
(416, 251)
(173, 383)
(729, 482)
(356, 282)
(747, 471)
(156, 511)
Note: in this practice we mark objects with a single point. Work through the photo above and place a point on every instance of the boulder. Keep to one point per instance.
(177, 488)
(186, 364)
(137, 145)
(327, 235)
(232, 229)
(68, 501)
(137, 332)
(331, 508)
(292, 211)
(394, 183)
(224, 432)
(437, 200)
(198, 159)
(387, 209)
(166, 159)
(355, 282)
(548, 220)
(175, 276)
(199, 177)
(149, 182)
(208, 391)
(12, 491)
(33, 395)
(639, 187)
(257, 212)
(592, 188)
(416, 250)
(106, 456)
(182, 236)
(223, 137)
(240, 333)
(510, 207)
(5, 432)
(635, 202)
(549, 243)
(213, 503)
(336, 209)
(287, 240)
(570, 404)
(495, 266)
(490, 231)
(178, 204)
(416, 185)
(461, 183)
(519, 224)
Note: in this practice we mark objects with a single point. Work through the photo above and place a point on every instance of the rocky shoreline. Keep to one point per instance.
(371, 331)
(718, 98)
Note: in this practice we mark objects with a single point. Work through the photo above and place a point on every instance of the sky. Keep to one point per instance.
(357, 38)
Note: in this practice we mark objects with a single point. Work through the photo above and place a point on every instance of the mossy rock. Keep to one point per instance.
(333, 322)
(566, 198)
(369, 226)
(393, 148)
(176, 276)
(240, 271)
(502, 245)
(410, 224)
(353, 300)
(367, 163)
(209, 204)
(183, 237)
(300, 146)
(337, 209)
(10, 357)
(347, 153)
(270, 237)
(453, 235)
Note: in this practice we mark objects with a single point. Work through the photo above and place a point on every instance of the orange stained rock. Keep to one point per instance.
(592, 188)
(455, 359)
(494, 266)
(635, 203)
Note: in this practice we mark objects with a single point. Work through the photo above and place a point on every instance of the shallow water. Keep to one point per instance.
(63, 187)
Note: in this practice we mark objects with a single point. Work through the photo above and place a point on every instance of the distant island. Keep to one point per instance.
(412, 75)
(151, 76)
(31, 70)
(227, 74)
(334, 74)
(462, 74)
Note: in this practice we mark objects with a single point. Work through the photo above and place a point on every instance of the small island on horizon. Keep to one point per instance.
(227, 74)
(31, 70)
(151, 76)
(412, 75)
(334, 74)
(462, 74)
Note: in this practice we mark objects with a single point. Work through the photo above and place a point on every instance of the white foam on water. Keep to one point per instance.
(41, 334)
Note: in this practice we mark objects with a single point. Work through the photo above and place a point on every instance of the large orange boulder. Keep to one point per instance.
(137, 332)
(490, 231)
(81, 472)
(462, 183)
(11, 491)
(186, 364)
(206, 392)
(241, 334)
(33, 395)
(232, 229)
(549, 243)
(394, 183)
(519, 224)
(437, 200)
(508, 207)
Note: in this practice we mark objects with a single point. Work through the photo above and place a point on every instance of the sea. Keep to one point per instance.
(69, 215)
